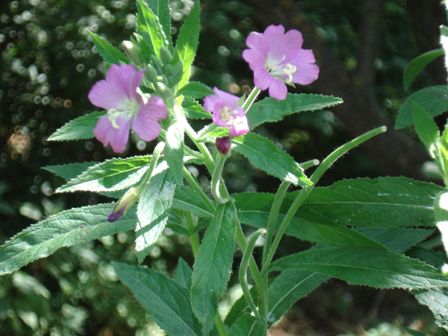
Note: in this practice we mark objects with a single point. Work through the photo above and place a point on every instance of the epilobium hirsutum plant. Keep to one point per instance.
(361, 228)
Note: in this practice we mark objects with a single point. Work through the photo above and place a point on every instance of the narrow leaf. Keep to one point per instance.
(213, 266)
(166, 301)
(80, 128)
(188, 200)
(194, 110)
(427, 130)
(66, 228)
(183, 274)
(152, 212)
(247, 325)
(108, 52)
(273, 110)
(110, 175)
(264, 155)
(69, 170)
(416, 66)
(161, 9)
(188, 40)
(195, 90)
(431, 99)
(369, 267)
(174, 151)
(149, 27)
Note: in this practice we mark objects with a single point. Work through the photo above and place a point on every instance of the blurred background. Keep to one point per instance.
(47, 67)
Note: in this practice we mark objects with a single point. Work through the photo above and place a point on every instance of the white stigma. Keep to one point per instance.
(127, 109)
(276, 68)
(226, 114)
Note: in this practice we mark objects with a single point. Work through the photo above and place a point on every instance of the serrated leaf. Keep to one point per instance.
(264, 155)
(108, 52)
(369, 267)
(66, 228)
(188, 40)
(166, 301)
(174, 150)
(69, 170)
(183, 274)
(152, 212)
(437, 301)
(416, 66)
(273, 110)
(213, 265)
(110, 175)
(161, 9)
(427, 130)
(195, 90)
(80, 128)
(441, 216)
(149, 27)
(194, 110)
(186, 199)
(432, 99)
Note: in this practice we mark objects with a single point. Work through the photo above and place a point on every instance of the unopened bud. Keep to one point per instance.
(131, 51)
(124, 203)
(165, 55)
(151, 73)
(223, 145)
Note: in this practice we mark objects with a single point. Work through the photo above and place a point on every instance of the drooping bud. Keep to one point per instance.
(124, 203)
(131, 50)
(223, 145)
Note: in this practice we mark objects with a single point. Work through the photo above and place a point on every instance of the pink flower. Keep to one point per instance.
(126, 108)
(277, 59)
(227, 112)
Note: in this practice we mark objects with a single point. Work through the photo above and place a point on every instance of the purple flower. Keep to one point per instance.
(126, 108)
(277, 59)
(227, 112)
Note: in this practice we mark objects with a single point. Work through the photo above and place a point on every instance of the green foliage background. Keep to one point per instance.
(48, 64)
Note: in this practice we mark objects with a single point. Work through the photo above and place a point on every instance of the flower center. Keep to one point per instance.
(127, 109)
(280, 70)
(226, 114)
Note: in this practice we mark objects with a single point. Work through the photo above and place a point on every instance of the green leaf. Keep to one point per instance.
(194, 110)
(166, 301)
(70, 170)
(290, 286)
(416, 66)
(108, 52)
(369, 267)
(431, 99)
(273, 110)
(264, 155)
(188, 41)
(186, 199)
(66, 228)
(213, 266)
(247, 325)
(195, 90)
(152, 212)
(183, 274)
(437, 301)
(110, 175)
(80, 128)
(441, 216)
(149, 27)
(427, 130)
(174, 151)
(161, 9)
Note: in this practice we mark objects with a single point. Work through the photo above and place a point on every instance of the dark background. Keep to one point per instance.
(47, 67)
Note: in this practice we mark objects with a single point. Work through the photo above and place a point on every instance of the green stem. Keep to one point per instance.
(216, 179)
(220, 326)
(152, 165)
(192, 232)
(250, 99)
(308, 164)
(195, 184)
(242, 273)
(273, 215)
(304, 193)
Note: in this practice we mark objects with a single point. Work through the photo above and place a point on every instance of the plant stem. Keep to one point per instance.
(192, 232)
(196, 186)
(216, 178)
(251, 99)
(304, 193)
(220, 325)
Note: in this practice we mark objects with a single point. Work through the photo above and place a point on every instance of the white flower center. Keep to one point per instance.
(226, 114)
(279, 70)
(127, 109)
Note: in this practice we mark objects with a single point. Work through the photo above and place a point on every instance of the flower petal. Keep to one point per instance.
(146, 122)
(306, 74)
(103, 95)
(278, 89)
(262, 78)
(124, 78)
(108, 135)
(239, 126)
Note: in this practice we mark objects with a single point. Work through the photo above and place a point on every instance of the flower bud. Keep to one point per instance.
(223, 145)
(151, 73)
(124, 203)
(131, 51)
(165, 55)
